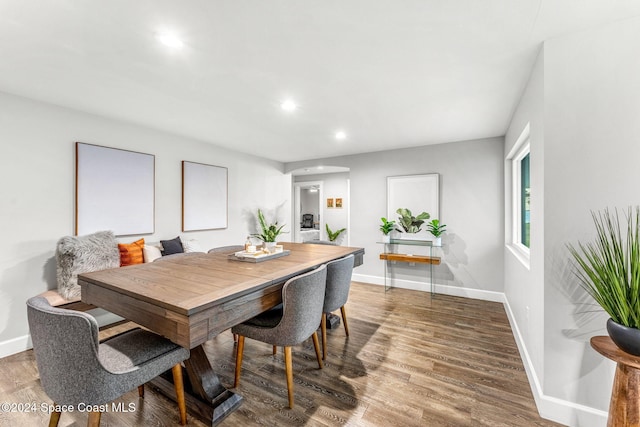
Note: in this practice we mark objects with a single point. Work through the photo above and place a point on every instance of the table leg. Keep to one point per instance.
(624, 409)
(206, 397)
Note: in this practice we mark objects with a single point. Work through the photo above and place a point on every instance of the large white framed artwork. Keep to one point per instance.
(204, 196)
(418, 193)
(115, 190)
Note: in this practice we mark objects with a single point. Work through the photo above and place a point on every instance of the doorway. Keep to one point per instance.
(307, 211)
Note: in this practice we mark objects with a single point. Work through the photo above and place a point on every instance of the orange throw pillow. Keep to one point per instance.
(131, 253)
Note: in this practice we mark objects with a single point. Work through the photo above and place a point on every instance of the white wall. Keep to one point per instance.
(37, 164)
(583, 102)
(471, 199)
(592, 106)
(524, 284)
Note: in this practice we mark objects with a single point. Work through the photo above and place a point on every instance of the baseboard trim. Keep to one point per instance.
(551, 408)
(15, 345)
(438, 289)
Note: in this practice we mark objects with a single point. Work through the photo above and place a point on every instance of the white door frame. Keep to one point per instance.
(297, 186)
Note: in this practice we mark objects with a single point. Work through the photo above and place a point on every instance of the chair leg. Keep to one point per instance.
(316, 345)
(235, 338)
(94, 419)
(275, 350)
(344, 320)
(239, 352)
(323, 328)
(141, 390)
(179, 387)
(54, 419)
(289, 370)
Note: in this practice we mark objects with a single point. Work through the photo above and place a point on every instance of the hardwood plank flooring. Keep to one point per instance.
(411, 360)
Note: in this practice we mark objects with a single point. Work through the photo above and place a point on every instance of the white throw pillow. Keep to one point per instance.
(190, 245)
(151, 253)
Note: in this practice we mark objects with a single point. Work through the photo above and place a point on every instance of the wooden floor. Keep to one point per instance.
(411, 360)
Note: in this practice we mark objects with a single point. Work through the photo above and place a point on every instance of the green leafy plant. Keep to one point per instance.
(410, 223)
(333, 235)
(609, 267)
(434, 227)
(269, 231)
(387, 226)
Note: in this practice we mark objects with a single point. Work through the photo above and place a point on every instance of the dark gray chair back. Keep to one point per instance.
(66, 343)
(302, 299)
(338, 283)
(307, 221)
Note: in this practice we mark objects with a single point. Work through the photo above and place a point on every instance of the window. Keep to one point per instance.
(521, 193)
(525, 206)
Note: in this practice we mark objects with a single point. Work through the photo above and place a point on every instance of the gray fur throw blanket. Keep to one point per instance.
(84, 254)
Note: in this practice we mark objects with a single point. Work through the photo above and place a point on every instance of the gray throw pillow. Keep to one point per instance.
(173, 246)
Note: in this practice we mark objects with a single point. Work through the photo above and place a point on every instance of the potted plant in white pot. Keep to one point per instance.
(387, 227)
(270, 232)
(436, 229)
(410, 224)
(609, 271)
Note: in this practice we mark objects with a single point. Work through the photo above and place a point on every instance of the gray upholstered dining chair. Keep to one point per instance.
(75, 368)
(338, 284)
(226, 249)
(302, 298)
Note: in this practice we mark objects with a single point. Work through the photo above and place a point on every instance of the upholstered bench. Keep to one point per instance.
(101, 251)
(56, 300)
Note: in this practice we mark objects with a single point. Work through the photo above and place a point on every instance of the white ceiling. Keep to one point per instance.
(390, 73)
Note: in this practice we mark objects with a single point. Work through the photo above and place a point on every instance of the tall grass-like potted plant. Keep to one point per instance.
(609, 270)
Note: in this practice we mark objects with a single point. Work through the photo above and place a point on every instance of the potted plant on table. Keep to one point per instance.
(387, 227)
(609, 271)
(411, 224)
(436, 229)
(270, 232)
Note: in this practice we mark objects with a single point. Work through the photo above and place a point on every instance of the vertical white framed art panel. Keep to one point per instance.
(204, 196)
(115, 190)
(418, 193)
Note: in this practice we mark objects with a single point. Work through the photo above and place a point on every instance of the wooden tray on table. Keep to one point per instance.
(257, 256)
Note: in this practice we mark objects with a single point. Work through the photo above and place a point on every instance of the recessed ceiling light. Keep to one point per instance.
(341, 135)
(289, 105)
(170, 40)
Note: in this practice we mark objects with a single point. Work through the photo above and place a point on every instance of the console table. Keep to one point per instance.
(428, 259)
(624, 408)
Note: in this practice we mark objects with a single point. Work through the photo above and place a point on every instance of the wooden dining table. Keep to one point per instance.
(191, 298)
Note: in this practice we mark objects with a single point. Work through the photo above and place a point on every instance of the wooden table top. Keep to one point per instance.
(190, 284)
(606, 347)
